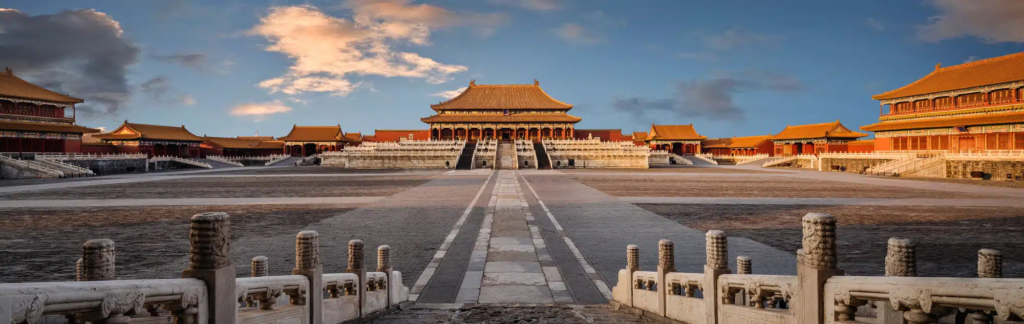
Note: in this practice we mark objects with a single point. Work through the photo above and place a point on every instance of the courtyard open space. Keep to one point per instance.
(504, 236)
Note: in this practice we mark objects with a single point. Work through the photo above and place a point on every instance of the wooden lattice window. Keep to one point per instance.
(943, 103)
(1018, 140)
(1005, 141)
(944, 142)
(972, 99)
(1000, 96)
(923, 105)
(903, 107)
(991, 141)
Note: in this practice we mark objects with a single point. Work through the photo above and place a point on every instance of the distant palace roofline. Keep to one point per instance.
(502, 96)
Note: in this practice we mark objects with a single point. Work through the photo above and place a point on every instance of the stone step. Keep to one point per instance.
(509, 313)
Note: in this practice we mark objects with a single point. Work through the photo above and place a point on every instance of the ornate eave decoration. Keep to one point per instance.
(37, 102)
(953, 93)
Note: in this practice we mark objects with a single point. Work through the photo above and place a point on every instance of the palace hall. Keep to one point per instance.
(974, 106)
(814, 139)
(153, 140)
(33, 119)
(507, 111)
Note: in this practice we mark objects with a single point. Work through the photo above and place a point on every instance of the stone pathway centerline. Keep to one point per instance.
(510, 262)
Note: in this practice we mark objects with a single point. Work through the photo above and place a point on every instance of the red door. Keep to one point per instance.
(966, 144)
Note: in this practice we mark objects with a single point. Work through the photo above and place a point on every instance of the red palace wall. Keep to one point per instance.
(72, 146)
(606, 135)
(99, 149)
(953, 143)
(394, 136)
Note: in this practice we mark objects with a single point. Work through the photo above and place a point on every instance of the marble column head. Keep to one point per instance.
(355, 255)
(307, 250)
(260, 266)
(98, 260)
(743, 265)
(210, 239)
(633, 257)
(383, 258)
(900, 260)
(78, 270)
(819, 242)
(666, 255)
(717, 249)
(990, 263)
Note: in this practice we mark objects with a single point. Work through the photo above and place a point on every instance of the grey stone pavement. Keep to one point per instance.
(601, 226)
(340, 201)
(1004, 202)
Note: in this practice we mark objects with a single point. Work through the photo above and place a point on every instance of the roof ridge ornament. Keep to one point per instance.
(938, 66)
(9, 71)
(536, 83)
(472, 82)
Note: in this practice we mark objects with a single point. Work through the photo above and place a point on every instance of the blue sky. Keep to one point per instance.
(732, 68)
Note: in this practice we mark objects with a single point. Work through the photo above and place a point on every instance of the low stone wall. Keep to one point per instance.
(994, 170)
(850, 165)
(103, 167)
(390, 162)
(527, 161)
(586, 162)
(484, 161)
(658, 160)
(9, 172)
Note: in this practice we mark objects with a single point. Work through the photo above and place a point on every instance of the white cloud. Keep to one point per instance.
(328, 51)
(450, 93)
(994, 21)
(737, 37)
(260, 110)
(536, 5)
(874, 24)
(971, 59)
(576, 34)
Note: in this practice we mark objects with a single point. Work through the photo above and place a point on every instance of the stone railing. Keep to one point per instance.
(886, 155)
(736, 159)
(810, 158)
(277, 158)
(209, 293)
(819, 293)
(661, 157)
(987, 155)
(40, 170)
(68, 168)
(224, 159)
(85, 156)
(706, 157)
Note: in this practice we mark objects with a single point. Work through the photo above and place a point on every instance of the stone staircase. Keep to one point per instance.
(933, 166)
(500, 313)
(466, 159)
(506, 157)
(543, 161)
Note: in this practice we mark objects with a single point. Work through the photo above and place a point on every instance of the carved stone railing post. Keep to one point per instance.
(816, 262)
(260, 266)
(666, 264)
(355, 265)
(98, 260)
(990, 265)
(307, 263)
(78, 270)
(384, 265)
(210, 261)
(717, 264)
(743, 267)
(900, 261)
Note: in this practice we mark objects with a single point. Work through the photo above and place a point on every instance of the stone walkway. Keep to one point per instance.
(510, 262)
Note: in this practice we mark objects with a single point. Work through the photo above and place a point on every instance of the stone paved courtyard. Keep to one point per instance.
(510, 236)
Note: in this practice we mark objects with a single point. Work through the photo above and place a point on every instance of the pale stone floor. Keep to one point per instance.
(536, 236)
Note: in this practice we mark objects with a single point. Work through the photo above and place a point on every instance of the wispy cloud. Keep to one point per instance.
(874, 24)
(450, 93)
(993, 21)
(536, 5)
(327, 51)
(713, 46)
(710, 99)
(195, 61)
(260, 111)
(579, 35)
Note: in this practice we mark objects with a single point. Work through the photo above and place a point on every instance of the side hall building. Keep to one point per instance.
(36, 120)
(506, 111)
(678, 139)
(976, 106)
(153, 140)
(739, 146)
(310, 140)
(814, 139)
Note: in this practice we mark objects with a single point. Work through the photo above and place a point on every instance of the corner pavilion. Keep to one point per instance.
(507, 111)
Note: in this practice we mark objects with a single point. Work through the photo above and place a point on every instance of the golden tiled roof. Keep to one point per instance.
(315, 134)
(735, 142)
(504, 96)
(44, 127)
(832, 130)
(265, 145)
(257, 137)
(952, 121)
(639, 136)
(1003, 69)
(13, 86)
(354, 136)
(495, 118)
(232, 142)
(129, 131)
(673, 133)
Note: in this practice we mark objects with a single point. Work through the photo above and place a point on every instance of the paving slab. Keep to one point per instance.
(516, 294)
